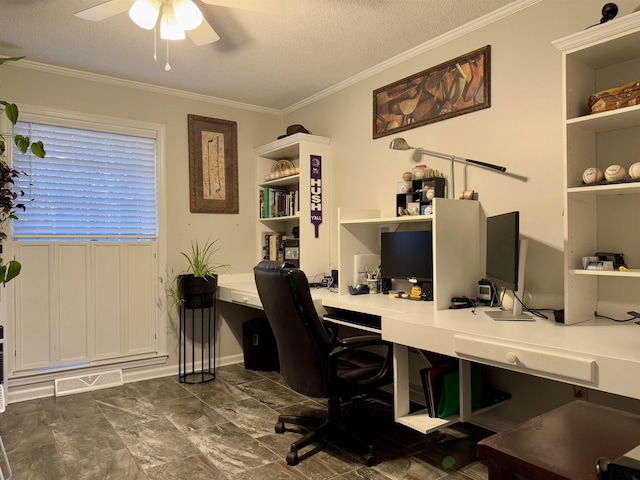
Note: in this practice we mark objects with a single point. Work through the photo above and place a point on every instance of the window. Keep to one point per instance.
(92, 184)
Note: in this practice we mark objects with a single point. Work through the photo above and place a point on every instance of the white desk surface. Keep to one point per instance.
(613, 347)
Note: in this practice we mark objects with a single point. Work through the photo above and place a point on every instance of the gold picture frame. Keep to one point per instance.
(213, 165)
(453, 88)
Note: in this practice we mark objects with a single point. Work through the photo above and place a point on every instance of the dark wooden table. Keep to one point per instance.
(564, 443)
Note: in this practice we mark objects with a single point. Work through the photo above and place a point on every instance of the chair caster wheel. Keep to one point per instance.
(369, 460)
(279, 428)
(292, 458)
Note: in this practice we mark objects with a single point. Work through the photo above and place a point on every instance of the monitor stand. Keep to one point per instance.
(516, 314)
(507, 315)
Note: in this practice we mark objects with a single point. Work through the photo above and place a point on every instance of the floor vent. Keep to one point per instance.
(85, 383)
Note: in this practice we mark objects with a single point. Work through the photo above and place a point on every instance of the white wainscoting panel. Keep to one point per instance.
(33, 305)
(108, 310)
(80, 302)
(141, 298)
(72, 301)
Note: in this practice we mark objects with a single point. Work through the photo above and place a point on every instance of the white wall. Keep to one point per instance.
(26, 86)
(521, 131)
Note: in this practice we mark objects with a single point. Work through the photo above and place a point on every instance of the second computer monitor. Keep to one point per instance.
(506, 259)
(407, 256)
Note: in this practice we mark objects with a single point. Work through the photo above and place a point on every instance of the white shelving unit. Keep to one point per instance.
(600, 218)
(298, 149)
(456, 244)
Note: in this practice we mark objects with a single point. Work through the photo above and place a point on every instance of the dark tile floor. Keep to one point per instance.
(163, 430)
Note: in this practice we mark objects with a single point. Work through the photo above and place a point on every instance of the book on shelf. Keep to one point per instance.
(278, 202)
(433, 382)
(441, 386)
(272, 246)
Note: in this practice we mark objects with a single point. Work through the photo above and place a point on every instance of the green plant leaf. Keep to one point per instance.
(37, 148)
(11, 111)
(22, 143)
(200, 263)
(13, 270)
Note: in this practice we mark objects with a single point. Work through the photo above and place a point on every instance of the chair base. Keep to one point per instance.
(324, 428)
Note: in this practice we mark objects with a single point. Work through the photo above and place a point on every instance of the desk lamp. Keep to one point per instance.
(401, 144)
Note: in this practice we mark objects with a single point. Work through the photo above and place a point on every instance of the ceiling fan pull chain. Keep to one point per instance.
(155, 44)
(167, 67)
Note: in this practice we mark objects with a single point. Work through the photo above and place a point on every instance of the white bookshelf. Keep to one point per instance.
(298, 149)
(600, 218)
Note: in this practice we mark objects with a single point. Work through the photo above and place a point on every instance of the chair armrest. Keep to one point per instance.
(351, 344)
(354, 343)
(361, 339)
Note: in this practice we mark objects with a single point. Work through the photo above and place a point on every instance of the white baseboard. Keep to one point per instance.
(44, 387)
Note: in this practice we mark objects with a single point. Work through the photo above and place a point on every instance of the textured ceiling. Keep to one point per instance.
(266, 60)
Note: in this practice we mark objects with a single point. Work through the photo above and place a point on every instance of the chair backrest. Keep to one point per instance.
(303, 343)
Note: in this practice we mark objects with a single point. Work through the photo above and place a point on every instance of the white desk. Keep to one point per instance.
(601, 355)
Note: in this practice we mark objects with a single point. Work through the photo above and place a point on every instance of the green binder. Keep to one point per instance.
(449, 402)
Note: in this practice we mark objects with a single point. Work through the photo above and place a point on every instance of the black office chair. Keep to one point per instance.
(315, 363)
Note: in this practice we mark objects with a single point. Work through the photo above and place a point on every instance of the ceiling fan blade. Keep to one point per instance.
(267, 6)
(105, 10)
(203, 34)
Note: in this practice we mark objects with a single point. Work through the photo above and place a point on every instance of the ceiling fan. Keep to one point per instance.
(175, 17)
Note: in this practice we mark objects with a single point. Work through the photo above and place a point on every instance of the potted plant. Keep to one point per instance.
(9, 199)
(194, 288)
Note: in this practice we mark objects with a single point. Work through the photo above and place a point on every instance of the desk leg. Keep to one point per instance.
(465, 389)
(400, 381)
(498, 473)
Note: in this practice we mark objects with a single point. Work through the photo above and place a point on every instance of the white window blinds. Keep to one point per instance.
(92, 185)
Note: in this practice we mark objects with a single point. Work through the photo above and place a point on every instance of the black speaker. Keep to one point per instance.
(259, 346)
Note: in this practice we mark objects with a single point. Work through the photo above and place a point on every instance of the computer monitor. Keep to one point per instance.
(506, 258)
(407, 256)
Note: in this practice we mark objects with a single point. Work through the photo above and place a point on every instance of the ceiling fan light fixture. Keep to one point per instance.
(187, 13)
(144, 13)
(170, 29)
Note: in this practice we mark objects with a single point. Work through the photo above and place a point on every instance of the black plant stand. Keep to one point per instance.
(196, 313)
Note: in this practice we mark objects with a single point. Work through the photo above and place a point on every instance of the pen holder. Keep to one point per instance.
(374, 286)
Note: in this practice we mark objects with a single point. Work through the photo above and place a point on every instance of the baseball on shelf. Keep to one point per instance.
(634, 171)
(614, 173)
(592, 175)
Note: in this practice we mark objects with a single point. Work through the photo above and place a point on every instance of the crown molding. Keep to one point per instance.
(106, 79)
(483, 21)
(613, 28)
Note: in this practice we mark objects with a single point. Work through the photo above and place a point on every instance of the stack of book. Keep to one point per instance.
(272, 246)
(276, 203)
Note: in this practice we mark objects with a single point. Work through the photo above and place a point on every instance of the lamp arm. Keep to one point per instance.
(485, 165)
(463, 160)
